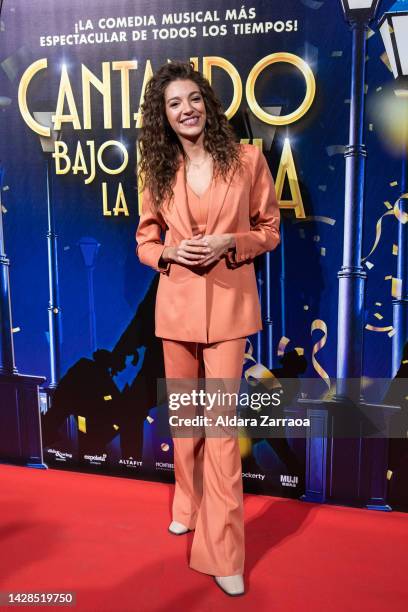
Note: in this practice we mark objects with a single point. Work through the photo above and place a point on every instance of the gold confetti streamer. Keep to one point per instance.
(319, 324)
(82, 424)
(378, 329)
(388, 204)
(385, 59)
(283, 342)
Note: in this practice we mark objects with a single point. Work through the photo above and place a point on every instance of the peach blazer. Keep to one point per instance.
(217, 302)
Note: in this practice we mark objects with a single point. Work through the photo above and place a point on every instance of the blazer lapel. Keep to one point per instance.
(177, 212)
(219, 193)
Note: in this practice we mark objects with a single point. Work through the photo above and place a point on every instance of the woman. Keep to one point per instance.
(215, 201)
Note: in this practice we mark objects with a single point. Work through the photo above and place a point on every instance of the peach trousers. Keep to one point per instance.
(208, 494)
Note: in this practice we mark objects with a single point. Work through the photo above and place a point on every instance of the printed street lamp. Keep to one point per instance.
(352, 275)
(361, 10)
(54, 310)
(393, 27)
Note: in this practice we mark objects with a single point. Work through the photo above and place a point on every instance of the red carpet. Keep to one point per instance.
(106, 538)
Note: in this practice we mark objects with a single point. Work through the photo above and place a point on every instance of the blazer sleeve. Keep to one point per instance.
(264, 215)
(150, 247)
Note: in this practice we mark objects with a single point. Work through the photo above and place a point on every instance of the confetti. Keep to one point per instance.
(321, 218)
(6, 188)
(82, 424)
(322, 187)
(313, 4)
(389, 474)
(305, 307)
(393, 183)
(371, 127)
(335, 150)
(4, 101)
(283, 342)
(378, 303)
(347, 101)
(4, 209)
(388, 205)
(396, 287)
(378, 316)
(323, 251)
(316, 238)
(392, 333)
(300, 350)
(319, 324)
(337, 53)
(365, 88)
(388, 277)
(405, 361)
(107, 397)
(395, 249)
(369, 265)
(115, 427)
(384, 58)
(164, 446)
(149, 419)
(369, 33)
(379, 88)
(66, 248)
(16, 329)
(378, 329)
(332, 167)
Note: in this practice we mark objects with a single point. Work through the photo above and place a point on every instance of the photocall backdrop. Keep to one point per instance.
(87, 64)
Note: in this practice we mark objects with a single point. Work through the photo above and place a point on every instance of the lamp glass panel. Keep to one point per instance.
(360, 4)
(400, 25)
(386, 36)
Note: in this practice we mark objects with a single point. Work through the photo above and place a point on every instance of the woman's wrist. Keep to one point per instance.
(167, 254)
(230, 241)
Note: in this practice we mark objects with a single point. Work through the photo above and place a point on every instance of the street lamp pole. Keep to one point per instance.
(352, 276)
(394, 31)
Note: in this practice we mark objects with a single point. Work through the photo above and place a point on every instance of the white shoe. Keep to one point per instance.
(178, 528)
(231, 585)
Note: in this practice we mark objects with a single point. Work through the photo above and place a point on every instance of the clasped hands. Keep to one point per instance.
(199, 250)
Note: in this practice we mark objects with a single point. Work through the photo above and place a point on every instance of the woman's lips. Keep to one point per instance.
(190, 121)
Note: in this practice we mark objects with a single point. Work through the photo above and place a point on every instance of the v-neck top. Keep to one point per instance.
(198, 207)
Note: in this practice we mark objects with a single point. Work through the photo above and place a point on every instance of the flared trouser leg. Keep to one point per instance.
(209, 493)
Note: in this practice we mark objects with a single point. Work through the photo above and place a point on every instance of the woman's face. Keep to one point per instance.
(185, 108)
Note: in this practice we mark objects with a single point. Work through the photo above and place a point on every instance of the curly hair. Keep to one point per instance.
(159, 145)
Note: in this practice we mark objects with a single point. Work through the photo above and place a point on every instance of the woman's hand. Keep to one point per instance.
(218, 245)
(189, 252)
